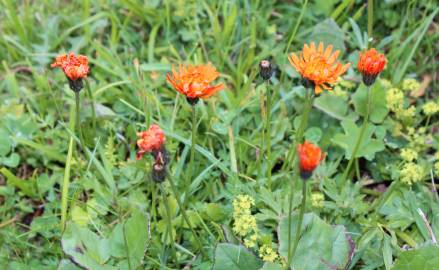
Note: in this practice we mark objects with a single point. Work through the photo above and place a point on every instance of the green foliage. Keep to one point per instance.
(321, 245)
(233, 257)
(369, 145)
(418, 259)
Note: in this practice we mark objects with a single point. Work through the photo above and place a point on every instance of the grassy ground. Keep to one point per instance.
(117, 218)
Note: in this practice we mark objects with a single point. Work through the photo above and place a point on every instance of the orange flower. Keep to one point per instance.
(310, 156)
(195, 81)
(318, 65)
(149, 141)
(371, 64)
(74, 67)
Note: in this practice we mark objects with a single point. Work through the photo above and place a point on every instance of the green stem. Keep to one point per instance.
(359, 140)
(192, 157)
(370, 18)
(65, 185)
(298, 139)
(291, 155)
(299, 224)
(296, 27)
(268, 134)
(186, 219)
(78, 118)
(168, 220)
(93, 110)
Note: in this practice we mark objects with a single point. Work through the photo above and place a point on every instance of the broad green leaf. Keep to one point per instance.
(332, 105)
(136, 233)
(378, 106)
(86, 248)
(271, 266)
(79, 216)
(368, 147)
(321, 246)
(328, 32)
(234, 257)
(426, 258)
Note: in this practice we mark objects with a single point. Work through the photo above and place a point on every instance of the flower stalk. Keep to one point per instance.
(168, 219)
(359, 140)
(186, 219)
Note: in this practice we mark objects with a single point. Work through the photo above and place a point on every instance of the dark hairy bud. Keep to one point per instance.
(369, 79)
(265, 69)
(192, 101)
(159, 168)
(76, 85)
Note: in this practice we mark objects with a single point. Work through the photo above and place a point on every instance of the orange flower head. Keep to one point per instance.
(149, 141)
(371, 64)
(195, 81)
(310, 156)
(318, 65)
(75, 67)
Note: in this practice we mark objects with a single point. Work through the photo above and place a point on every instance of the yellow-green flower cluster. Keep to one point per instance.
(411, 173)
(317, 199)
(410, 84)
(418, 139)
(267, 253)
(244, 223)
(395, 99)
(408, 154)
(406, 113)
(430, 108)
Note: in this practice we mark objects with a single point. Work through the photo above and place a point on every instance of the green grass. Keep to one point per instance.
(118, 216)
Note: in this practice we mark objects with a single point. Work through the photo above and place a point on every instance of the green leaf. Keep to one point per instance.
(85, 248)
(136, 233)
(426, 258)
(26, 186)
(378, 106)
(321, 246)
(328, 32)
(368, 147)
(234, 257)
(271, 266)
(332, 105)
(313, 134)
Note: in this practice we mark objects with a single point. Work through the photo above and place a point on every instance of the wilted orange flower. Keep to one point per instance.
(371, 64)
(150, 141)
(310, 156)
(195, 81)
(318, 65)
(74, 67)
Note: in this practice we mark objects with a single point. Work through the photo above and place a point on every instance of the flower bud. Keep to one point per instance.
(371, 64)
(310, 156)
(265, 69)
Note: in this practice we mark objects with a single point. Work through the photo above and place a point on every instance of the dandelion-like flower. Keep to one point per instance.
(310, 156)
(74, 67)
(150, 141)
(371, 64)
(318, 65)
(195, 81)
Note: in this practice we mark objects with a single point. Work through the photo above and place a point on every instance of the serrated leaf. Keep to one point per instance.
(378, 105)
(321, 246)
(234, 257)
(368, 147)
